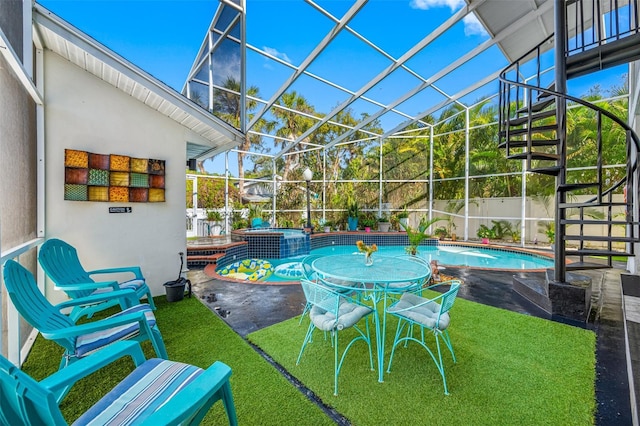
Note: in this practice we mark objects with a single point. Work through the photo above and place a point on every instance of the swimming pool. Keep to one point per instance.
(459, 255)
(453, 255)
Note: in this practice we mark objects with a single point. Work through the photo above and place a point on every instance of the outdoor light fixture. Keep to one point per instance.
(307, 175)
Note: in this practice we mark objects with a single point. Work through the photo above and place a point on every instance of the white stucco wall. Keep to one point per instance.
(85, 113)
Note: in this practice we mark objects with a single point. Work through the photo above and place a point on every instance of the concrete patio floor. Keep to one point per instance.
(250, 307)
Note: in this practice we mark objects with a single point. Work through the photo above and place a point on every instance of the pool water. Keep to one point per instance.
(454, 255)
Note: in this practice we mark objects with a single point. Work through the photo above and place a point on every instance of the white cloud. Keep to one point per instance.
(274, 52)
(427, 4)
(472, 26)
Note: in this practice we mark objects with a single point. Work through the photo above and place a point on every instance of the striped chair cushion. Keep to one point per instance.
(141, 393)
(90, 342)
(134, 284)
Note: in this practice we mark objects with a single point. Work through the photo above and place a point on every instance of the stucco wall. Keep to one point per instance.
(87, 114)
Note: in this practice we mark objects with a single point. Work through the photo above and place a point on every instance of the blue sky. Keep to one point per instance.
(163, 37)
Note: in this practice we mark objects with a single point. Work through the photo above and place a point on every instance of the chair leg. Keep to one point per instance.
(447, 341)
(336, 369)
(397, 339)
(150, 299)
(229, 406)
(307, 307)
(440, 366)
(307, 339)
(158, 343)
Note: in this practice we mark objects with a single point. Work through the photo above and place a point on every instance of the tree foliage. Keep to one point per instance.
(406, 160)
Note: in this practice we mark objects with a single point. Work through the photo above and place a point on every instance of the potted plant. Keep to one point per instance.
(327, 226)
(416, 236)
(368, 222)
(215, 222)
(383, 223)
(255, 215)
(441, 233)
(484, 233)
(353, 211)
(454, 208)
(403, 217)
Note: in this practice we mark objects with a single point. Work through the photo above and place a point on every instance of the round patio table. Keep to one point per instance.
(387, 275)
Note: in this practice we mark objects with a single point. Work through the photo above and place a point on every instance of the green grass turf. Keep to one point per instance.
(511, 369)
(193, 334)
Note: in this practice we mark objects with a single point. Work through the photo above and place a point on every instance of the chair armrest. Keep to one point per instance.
(135, 270)
(129, 295)
(194, 397)
(98, 325)
(88, 286)
(425, 300)
(73, 372)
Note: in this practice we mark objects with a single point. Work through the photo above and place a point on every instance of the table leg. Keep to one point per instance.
(381, 336)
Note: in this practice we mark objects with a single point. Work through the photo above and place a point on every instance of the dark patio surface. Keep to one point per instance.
(250, 307)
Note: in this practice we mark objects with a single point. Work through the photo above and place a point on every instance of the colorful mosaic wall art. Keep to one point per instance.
(112, 178)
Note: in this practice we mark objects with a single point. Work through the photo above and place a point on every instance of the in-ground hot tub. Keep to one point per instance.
(273, 243)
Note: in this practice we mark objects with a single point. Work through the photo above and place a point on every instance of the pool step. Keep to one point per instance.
(206, 259)
(204, 255)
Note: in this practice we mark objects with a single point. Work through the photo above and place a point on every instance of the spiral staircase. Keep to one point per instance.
(533, 120)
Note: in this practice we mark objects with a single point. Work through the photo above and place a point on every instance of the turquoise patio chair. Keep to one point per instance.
(429, 314)
(156, 392)
(60, 262)
(136, 322)
(309, 274)
(333, 312)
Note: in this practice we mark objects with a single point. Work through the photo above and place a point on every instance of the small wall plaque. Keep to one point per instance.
(120, 209)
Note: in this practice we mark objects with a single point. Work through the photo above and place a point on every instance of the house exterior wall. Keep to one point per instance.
(85, 113)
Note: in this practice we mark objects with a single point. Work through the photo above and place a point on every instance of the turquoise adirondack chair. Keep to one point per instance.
(136, 322)
(426, 314)
(156, 392)
(61, 263)
(332, 311)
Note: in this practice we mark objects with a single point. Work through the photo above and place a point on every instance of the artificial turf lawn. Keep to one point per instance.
(195, 335)
(511, 369)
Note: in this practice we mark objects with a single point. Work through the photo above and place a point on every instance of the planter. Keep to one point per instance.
(327, 229)
(353, 223)
(256, 222)
(367, 229)
(485, 241)
(404, 221)
(215, 228)
(384, 226)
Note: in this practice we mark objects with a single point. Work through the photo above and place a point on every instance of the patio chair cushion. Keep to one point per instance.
(133, 284)
(426, 314)
(91, 341)
(141, 393)
(348, 315)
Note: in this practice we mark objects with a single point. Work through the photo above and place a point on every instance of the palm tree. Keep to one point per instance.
(226, 105)
(291, 125)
